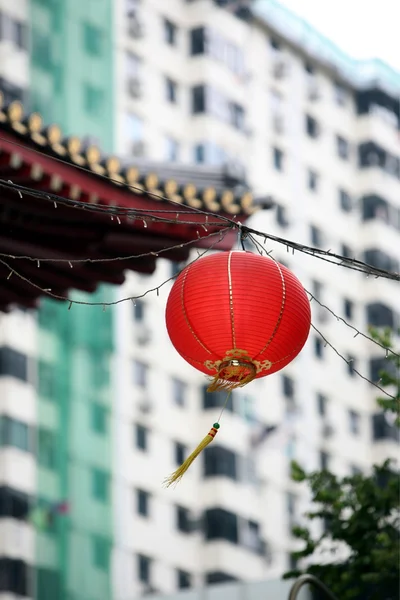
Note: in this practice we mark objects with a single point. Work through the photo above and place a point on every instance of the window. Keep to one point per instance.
(14, 576)
(277, 159)
(92, 39)
(42, 51)
(309, 68)
(142, 435)
(380, 315)
(93, 99)
(377, 365)
(343, 147)
(46, 448)
(197, 41)
(176, 267)
(324, 460)
(183, 520)
(354, 422)
(340, 94)
(139, 309)
(318, 347)
(316, 236)
(46, 380)
(312, 127)
(346, 251)
(142, 503)
(322, 404)
(381, 260)
(354, 470)
(287, 386)
(99, 416)
(375, 207)
(199, 153)
(348, 308)
(14, 433)
(199, 104)
(140, 374)
(143, 567)
(275, 44)
(237, 116)
(383, 430)
(291, 503)
(178, 391)
(14, 503)
(317, 289)
(180, 453)
(13, 31)
(219, 577)
(133, 127)
(21, 35)
(171, 149)
(170, 32)
(312, 180)
(184, 579)
(13, 363)
(345, 201)
(101, 552)
(351, 365)
(171, 90)
(221, 524)
(216, 400)
(219, 461)
(281, 216)
(12, 92)
(133, 64)
(100, 485)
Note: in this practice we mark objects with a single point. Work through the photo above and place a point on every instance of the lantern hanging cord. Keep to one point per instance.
(224, 406)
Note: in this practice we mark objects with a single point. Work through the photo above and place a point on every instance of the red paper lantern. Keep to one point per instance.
(237, 316)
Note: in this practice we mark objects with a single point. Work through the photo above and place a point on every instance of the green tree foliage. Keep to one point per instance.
(359, 513)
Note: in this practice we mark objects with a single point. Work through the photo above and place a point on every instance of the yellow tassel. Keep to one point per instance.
(177, 475)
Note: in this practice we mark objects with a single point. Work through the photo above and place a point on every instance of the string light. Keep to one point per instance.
(349, 361)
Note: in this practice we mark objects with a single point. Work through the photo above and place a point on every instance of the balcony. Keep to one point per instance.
(380, 127)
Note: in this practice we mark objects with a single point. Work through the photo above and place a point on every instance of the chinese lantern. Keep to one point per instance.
(236, 316)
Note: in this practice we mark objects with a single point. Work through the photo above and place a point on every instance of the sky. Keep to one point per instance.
(361, 28)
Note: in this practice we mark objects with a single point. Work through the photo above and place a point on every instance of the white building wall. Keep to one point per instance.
(266, 100)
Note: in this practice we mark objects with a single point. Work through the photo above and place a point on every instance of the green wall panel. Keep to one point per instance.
(72, 85)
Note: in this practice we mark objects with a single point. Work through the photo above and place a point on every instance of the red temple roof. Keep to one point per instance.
(39, 158)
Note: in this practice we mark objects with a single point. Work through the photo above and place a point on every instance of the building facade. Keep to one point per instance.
(108, 405)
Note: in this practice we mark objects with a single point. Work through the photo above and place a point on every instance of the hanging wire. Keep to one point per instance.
(246, 232)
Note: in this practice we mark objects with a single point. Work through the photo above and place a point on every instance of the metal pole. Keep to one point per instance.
(302, 580)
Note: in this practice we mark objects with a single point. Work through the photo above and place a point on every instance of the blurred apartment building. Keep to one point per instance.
(248, 88)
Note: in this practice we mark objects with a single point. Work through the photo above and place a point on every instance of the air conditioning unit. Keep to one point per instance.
(135, 27)
(314, 92)
(138, 148)
(145, 406)
(328, 430)
(279, 68)
(134, 88)
(143, 335)
(278, 123)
